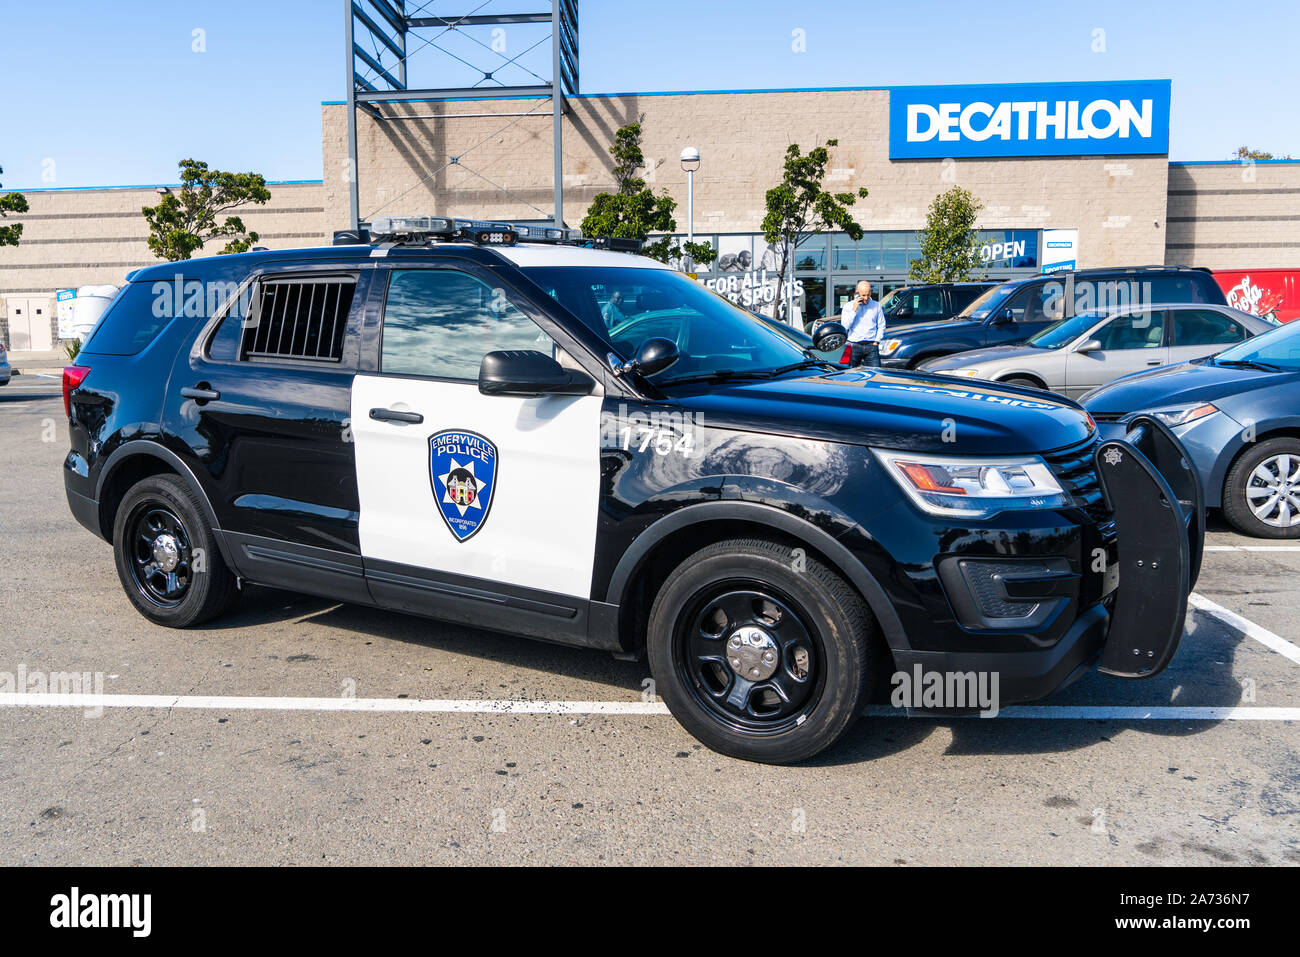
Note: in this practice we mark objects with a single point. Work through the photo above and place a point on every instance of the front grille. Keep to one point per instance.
(1076, 470)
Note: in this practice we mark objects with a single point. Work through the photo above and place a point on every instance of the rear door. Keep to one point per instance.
(1202, 332)
(1131, 342)
(463, 495)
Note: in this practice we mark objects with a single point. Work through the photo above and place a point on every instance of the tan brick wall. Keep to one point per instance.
(1234, 216)
(82, 237)
(1118, 204)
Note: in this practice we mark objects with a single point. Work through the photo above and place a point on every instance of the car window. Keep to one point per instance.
(1278, 347)
(441, 322)
(713, 334)
(962, 296)
(927, 304)
(1064, 331)
(1036, 302)
(1204, 327)
(1135, 330)
(983, 305)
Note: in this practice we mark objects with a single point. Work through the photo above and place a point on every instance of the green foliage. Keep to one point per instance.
(634, 211)
(949, 243)
(181, 223)
(798, 208)
(72, 349)
(11, 203)
(1246, 153)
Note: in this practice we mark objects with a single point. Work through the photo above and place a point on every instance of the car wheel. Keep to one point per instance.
(1261, 493)
(761, 652)
(1022, 382)
(167, 557)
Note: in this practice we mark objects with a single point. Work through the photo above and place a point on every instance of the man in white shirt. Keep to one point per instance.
(613, 311)
(864, 321)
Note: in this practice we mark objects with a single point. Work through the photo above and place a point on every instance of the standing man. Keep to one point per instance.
(864, 321)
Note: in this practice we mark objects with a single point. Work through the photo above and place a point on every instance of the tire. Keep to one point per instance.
(180, 580)
(800, 618)
(919, 361)
(1250, 484)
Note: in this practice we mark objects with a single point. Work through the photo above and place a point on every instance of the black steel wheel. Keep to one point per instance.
(167, 556)
(762, 652)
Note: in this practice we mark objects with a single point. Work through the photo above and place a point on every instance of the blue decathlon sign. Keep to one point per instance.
(463, 470)
(1029, 119)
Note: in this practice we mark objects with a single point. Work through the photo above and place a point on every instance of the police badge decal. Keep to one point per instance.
(462, 470)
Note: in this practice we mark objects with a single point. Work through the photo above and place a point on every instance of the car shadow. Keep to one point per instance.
(263, 606)
(1200, 676)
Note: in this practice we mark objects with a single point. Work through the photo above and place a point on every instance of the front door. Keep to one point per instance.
(476, 491)
(1131, 342)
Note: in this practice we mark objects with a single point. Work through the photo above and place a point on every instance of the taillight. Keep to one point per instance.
(848, 355)
(73, 376)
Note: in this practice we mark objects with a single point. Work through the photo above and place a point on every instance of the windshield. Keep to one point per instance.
(985, 304)
(1062, 333)
(1278, 347)
(626, 306)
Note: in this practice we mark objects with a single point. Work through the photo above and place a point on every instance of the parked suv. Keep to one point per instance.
(456, 424)
(1015, 310)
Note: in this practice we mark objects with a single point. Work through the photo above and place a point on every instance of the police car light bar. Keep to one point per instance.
(421, 230)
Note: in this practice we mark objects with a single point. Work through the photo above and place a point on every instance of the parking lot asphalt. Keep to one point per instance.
(489, 749)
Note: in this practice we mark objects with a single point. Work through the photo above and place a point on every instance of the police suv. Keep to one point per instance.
(504, 427)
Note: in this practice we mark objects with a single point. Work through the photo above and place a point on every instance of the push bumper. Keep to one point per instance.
(1159, 508)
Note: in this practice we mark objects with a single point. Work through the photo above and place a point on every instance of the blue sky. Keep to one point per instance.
(100, 93)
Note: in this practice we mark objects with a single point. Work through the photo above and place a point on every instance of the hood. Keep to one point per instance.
(962, 360)
(942, 325)
(1178, 385)
(900, 410)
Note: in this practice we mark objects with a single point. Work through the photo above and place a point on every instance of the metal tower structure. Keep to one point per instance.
(396, 33)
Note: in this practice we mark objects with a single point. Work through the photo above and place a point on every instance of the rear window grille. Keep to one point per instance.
(303, 319)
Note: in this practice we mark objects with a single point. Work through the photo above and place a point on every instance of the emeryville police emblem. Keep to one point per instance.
(463, 471)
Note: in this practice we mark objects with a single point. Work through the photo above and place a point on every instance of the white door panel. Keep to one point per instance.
(538, 526)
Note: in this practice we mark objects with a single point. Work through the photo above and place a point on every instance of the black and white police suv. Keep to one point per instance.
(492, 426)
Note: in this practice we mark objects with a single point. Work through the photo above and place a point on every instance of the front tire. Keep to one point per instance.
(761, 651)
(167, 557)
(1261, 493)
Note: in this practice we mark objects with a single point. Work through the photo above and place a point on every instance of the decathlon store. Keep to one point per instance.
(1073, 173)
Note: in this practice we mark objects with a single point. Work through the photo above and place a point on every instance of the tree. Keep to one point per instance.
(634, 211)
(11, 203)
(949, 244)
(798, 208)
(1246, 153)
(180, 224)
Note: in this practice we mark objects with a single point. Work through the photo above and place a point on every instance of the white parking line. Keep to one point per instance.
(1245, 626)
(640, 708)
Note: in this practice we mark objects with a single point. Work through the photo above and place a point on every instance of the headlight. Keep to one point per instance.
(1183, 414)
(972, 371)
(973, 488)
(890, 346)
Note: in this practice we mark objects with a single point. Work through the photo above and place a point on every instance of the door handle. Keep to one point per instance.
(393, 415)
(1153, 362)
(200, 393)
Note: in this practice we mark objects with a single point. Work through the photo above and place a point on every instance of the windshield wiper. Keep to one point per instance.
(805, 364)
(1249, 364)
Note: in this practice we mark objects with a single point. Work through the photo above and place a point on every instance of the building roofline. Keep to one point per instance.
(72, 189)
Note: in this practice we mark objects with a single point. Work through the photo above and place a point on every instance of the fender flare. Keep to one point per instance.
(143, 447)
(839, 556)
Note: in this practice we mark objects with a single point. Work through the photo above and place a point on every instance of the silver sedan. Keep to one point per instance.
(1091, 349)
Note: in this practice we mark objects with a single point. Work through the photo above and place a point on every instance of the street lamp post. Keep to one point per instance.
(690, 163)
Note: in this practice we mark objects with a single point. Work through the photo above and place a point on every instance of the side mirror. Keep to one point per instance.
(1092, 345)
(528, 373)
(904, 311)
(829, 337)
(652, 356)
(1003, 317)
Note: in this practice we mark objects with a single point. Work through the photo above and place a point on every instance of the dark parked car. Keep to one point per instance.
(1015, 310)
(931, 303)
(1238, 416)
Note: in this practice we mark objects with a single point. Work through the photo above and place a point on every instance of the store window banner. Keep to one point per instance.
(1128, 117)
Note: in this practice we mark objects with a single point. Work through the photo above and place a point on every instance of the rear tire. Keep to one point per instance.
(761, 652)
(167, 557)
(1265, 477)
